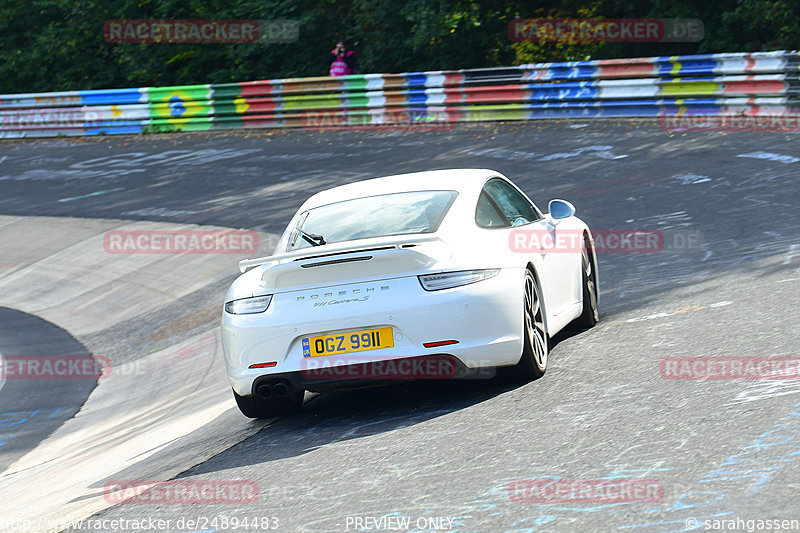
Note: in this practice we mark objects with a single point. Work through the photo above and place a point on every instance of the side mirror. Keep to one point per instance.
(560, 209)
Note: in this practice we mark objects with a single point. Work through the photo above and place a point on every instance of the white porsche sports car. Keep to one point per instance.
(430, 275)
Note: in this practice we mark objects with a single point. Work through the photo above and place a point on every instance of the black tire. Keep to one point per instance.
(590, 314)
(257, 407)
(536, 341)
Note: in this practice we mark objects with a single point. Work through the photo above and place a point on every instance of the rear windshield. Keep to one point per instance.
(374, 216)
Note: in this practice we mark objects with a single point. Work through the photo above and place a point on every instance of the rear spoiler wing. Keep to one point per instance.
(398, 241)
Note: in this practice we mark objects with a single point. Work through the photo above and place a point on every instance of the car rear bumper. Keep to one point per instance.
(485, 318)
(376, 373)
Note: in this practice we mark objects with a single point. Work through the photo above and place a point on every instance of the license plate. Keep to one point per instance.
(349, 342)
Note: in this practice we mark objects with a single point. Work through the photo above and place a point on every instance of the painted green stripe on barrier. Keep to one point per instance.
(356, 101)
(356, 84)
(181, 124)
(496, 115)
(226, 90)
(683, 87)
(228, 123)
(495, 112)
(226, 109)
(311, 102)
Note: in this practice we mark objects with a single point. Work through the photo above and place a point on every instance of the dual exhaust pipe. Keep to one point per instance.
(277, 389)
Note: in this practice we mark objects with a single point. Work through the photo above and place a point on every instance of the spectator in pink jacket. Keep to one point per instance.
(342, 60)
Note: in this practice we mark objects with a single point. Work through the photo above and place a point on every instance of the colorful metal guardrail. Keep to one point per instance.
(740, 83)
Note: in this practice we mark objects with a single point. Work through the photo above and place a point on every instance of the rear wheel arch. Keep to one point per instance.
(589, 315)
(531, 367)
(542, 302)
(588, 237)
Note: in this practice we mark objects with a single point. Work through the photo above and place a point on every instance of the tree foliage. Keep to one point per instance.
(49, 45)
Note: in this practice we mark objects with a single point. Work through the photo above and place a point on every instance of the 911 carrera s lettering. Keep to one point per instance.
(348, 300)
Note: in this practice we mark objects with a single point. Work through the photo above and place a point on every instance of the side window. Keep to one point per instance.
(516, 209)
(488, 215)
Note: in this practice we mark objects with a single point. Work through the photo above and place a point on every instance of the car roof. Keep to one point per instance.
(463, 180)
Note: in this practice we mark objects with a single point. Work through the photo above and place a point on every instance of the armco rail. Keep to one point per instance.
(737, 83)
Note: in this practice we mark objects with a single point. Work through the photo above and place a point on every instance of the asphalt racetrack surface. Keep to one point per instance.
(461, 456)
